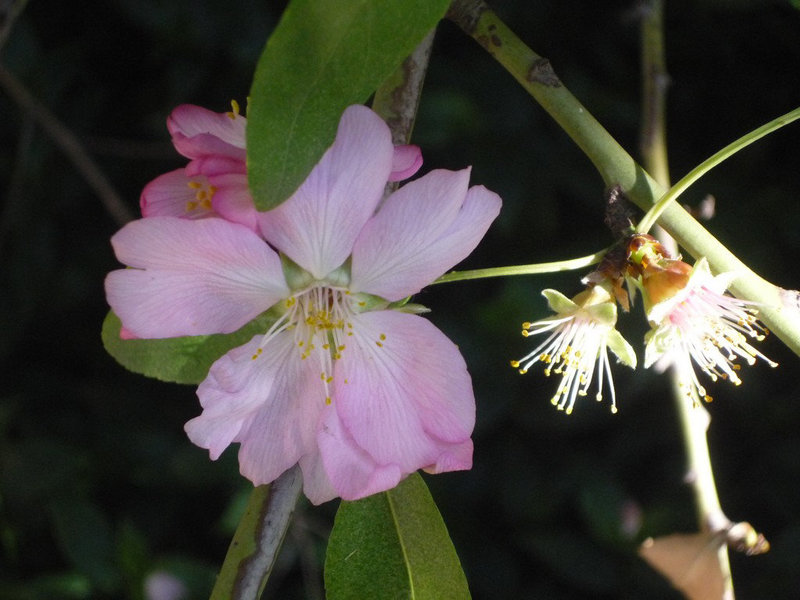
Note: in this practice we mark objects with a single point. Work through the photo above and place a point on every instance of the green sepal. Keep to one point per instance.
(181, 359)
(393, 545)
(605, 313)
(558, 302)
(656, 343)
(297, 278)
(621, 348)
(411, 308)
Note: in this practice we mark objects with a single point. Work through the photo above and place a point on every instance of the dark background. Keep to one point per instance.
(99, 487)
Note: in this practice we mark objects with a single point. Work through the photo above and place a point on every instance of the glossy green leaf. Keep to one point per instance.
(393, 545)
(324, 56)
(179, 360)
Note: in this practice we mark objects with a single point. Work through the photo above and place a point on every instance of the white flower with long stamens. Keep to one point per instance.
(702, 324)
(581, 332)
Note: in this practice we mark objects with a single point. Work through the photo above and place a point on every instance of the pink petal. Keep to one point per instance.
(283, 430)
(353, 473)
(402, 392)
(231, 197)
(269, 401)
(406, 161)
(124, 334)
(421, 231)
(198, 132)
(215, 165)
(318, 225)
(170, 195)
(458, 457)
(316, 485)
(191, 277)
(232, 200)
(235, 388)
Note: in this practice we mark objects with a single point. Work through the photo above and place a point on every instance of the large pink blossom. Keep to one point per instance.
(347, 382)
(214, 182)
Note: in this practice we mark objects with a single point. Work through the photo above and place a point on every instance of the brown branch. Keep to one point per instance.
(69, 144)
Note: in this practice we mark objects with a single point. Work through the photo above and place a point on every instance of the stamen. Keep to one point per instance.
(234, 112)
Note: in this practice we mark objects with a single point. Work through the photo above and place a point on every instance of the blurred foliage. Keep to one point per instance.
(101, 494)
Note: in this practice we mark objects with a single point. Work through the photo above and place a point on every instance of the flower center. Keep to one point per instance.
(203, 192)
(320, 321)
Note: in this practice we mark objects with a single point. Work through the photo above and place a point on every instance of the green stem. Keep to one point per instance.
(258, 538)
(704, 167)
(694, 418)
(779, 309)
(533, 269)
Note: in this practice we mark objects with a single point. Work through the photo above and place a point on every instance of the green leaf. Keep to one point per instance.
(179, 360)
(393, 545)
(324, 56)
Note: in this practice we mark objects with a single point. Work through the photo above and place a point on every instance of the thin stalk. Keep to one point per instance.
(70, 144)
(532, 269)
(704, 167)
(779, 309)
(694, 417)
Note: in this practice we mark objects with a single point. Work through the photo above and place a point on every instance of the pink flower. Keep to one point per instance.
(214, 183)
(347, 381)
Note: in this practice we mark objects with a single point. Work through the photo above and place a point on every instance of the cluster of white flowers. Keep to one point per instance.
(693, 322)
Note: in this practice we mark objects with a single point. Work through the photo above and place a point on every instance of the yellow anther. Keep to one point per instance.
(328, 400)
(234, 112)
(515, 364)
